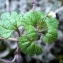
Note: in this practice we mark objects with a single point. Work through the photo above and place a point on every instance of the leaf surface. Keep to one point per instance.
(8, 23)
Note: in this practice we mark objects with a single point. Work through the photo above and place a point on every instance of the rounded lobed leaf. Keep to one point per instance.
(31, 33)
(30, 18)
(27, 46)
(51, 33)
(8, 23)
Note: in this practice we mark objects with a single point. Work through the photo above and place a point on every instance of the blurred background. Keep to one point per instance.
(52, 53)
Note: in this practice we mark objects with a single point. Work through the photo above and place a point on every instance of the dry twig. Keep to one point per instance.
(59, 9)
(7, 6)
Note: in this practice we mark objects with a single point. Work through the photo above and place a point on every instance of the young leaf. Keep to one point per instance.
(8, 23)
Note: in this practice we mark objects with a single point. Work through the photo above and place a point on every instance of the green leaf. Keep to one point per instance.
(31, 18)
(49, 37)
(51, 33)
(31, 33)
(27, 46)
(52, 22)
(42, 14)
(8, 23)
(41, 26)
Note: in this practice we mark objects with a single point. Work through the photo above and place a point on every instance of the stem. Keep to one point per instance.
(33, 5)
(12, 39)
(6, 61)
(17, 49)
(14, 59)
(18, 32)
(7, 6)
